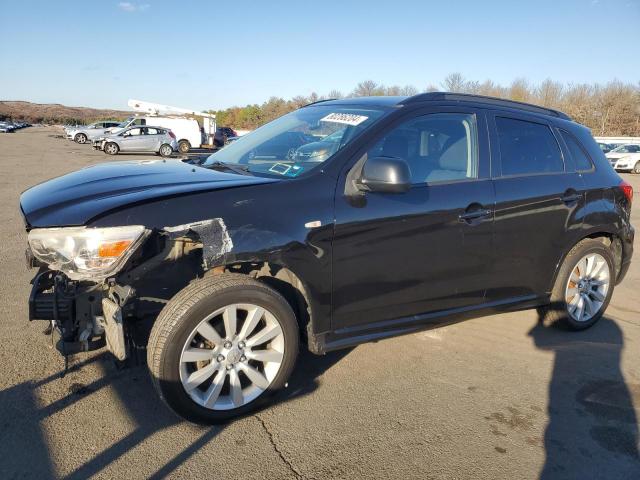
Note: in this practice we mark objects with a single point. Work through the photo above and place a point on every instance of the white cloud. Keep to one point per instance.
(133, 7)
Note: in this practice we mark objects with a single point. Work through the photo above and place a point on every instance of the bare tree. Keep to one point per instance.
(454, 82)
(408, 91)
(368, 88)
(549, 93)
(520, 90)
(393, 90)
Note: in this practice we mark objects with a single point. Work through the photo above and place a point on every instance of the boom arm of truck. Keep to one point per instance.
(208, 119)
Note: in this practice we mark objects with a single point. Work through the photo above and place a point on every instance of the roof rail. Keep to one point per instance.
(320, 101)
(498, 102)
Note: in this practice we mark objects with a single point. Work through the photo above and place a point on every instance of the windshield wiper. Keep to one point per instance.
(241, 169)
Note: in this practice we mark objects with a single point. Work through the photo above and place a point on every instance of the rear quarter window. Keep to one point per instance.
(580, 158)
(527, 148)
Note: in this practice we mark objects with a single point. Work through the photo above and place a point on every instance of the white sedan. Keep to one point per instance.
(625, 158)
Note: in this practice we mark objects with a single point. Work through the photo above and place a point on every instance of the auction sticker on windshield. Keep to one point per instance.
(346, 118)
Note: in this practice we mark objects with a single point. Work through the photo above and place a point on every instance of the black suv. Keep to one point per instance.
(426, 210)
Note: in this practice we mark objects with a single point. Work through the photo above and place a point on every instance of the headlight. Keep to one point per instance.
(86, 253)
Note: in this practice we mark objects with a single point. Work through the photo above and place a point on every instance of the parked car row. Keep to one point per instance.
(157, 134)
(8, 127)
(625, 158)
(83, 133)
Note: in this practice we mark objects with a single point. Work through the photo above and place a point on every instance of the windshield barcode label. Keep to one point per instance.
(346, 118)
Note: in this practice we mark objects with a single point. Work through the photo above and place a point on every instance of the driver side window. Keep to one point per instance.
(439, 147)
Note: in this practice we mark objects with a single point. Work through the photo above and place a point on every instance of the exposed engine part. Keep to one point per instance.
(174, 249)
(213, 234)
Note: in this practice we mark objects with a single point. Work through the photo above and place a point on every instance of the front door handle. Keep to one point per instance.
(474, 214)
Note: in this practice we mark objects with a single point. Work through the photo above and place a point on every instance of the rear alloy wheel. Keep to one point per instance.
(111, 148)
(636, 168)
(583, 287)
(81, 138)
(587, 287)
(184, 146)
(221, 347)
(166, 150)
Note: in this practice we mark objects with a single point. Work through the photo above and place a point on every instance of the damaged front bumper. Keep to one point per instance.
(88, 315)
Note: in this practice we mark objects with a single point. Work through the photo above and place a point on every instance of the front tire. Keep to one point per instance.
(636, 167)
(184, 146)
(81, 138)
(222, 347)
(583, 287)
(111, 148)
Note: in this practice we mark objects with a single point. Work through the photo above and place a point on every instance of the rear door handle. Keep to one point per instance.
(475, 214)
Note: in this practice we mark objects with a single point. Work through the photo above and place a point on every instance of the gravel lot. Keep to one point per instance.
(497, 397)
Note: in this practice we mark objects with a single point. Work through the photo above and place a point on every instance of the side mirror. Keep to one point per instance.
(385, 175)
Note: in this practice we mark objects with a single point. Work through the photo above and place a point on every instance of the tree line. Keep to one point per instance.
(611, 109)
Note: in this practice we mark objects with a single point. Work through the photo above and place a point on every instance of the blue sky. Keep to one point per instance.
(214, 54)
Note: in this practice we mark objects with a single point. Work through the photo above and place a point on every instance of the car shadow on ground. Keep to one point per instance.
(592, 427)
(26, 451)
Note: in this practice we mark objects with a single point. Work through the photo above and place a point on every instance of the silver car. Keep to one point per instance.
(139, 139)
(85, 133)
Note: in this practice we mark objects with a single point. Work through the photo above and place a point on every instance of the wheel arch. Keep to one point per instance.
(610, 238)
(282, 279)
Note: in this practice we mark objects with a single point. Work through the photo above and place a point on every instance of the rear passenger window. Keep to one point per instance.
(440, 147)
(579, 156)
(527, 148)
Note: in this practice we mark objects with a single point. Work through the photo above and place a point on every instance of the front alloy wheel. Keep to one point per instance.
(111, 148)
(221, 347)
(227, 370)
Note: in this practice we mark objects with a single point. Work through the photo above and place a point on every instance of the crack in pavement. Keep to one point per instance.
(277, 450)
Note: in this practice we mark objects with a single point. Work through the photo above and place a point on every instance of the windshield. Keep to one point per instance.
(297, 142)
(125, 123)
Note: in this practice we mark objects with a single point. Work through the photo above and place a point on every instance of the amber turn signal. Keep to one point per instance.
(113, 249)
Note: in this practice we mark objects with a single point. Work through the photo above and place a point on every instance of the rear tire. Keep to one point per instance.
(165, 150)
(191, 335)
(636, 167)
(184, 146)
(111, 148)
(81, 138)
(583, 287)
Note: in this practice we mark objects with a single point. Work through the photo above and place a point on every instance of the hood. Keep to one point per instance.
(78, 197)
